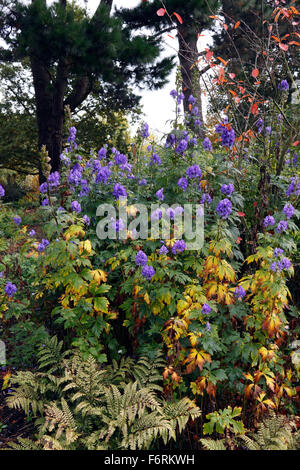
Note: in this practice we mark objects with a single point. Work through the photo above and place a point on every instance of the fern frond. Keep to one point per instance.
(147, 372)
(211, 444)
(24, 444)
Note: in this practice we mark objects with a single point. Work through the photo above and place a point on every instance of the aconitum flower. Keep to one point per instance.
(17, 220)
(10, 289)
(64, 159)
(260, 125)
(195, 111)
(288, 210)
(205, 198)
(282, 226)
(197, 123)
(182, 146)
(75, 174)
(207, 145)
(284, 264)
(148, 272)
(120, 159)
(43, 188)
(155, 160)
(206, 309)
(178, 247)
(86, 219)
(227, 137)
(2, 191)
(208, 328)
(160, 194)
(277, 252)
(143, 182)
(224, 208)
(45, 202)
(141, 258)
(173, 93)
(54, 179)
(294, 187)
(43, 244)
(85, 189)
(170, 141)
(72, 135)
(119, 190)
(273, 266)
(193, 141)
(118, 225)
(227, 189)
(268, 130)
(156, 215)
(145, 131)
(103, 175)
(269, 221)
(191, 99)
(32, 233)
(102, 153)
(163, 250)
(183, 183)
(239, 292)
(283, 85)
(76, 207)
(180, 97)
(194, 171)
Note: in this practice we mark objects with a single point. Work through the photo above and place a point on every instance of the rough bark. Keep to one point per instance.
(188, 55)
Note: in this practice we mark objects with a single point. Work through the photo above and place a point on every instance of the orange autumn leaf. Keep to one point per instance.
(296, 143)
(237, 24)
(225, 26)
(222, 60)
(254, 108)
(276, 38)
(294, 43)
(178, 17)
(255, 73)
(241, 214)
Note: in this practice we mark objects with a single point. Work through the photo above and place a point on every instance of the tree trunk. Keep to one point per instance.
(188, 55)
(49, 110)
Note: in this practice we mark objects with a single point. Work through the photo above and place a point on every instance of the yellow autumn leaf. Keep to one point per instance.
(181, 306)
(99, 275)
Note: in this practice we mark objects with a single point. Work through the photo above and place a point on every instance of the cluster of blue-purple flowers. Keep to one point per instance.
(147, 270)
(227, 134)
(10, 289)
(282, 226)
(282, 264)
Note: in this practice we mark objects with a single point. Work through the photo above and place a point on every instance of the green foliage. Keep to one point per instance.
(224, 420)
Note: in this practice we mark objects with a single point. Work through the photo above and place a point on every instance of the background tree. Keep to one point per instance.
(69, 52)
(193, 17)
